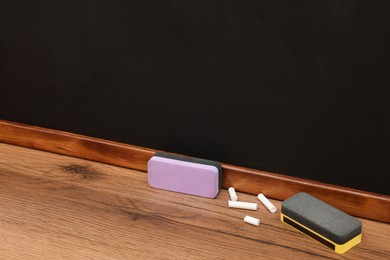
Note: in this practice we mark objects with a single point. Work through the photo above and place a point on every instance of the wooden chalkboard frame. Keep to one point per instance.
(355, 202)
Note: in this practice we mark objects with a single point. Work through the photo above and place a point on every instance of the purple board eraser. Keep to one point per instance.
(185, 174)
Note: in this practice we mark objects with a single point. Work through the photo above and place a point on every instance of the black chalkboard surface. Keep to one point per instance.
(298, 88)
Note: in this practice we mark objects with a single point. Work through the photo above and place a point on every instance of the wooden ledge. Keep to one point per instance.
(355, 202)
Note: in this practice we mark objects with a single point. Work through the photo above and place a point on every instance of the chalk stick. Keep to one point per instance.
(242, 205)
(252, 220)
(232, 194)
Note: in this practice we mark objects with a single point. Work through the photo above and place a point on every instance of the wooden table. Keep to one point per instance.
(58, 207)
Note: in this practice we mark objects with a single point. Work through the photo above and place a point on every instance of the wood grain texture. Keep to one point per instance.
(355, 202)
(59, 207)
(60, 142)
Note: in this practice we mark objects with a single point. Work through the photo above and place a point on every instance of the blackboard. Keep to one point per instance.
(293, 87)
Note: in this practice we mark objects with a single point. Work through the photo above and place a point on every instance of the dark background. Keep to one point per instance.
(294, 87)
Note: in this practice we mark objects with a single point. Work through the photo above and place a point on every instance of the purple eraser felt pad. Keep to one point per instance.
(185, 177)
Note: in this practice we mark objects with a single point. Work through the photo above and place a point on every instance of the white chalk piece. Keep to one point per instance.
(268, 204)
(232, 194)
(252, 220)
(242, 205)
